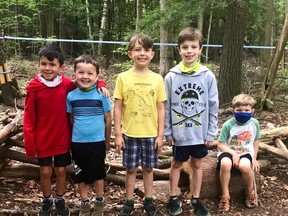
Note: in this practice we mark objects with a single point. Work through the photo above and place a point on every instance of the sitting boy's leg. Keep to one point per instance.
(247, 172)
(224, 163)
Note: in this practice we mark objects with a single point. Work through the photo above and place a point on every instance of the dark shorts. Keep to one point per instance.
(89, 159)
(226, 154)
(139, 149)
(182, 153)
(60, 160)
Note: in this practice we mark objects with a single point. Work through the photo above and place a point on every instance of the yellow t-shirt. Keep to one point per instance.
(140, 95)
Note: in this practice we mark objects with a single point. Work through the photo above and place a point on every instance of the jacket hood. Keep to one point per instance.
(176, 69)
(35, 85)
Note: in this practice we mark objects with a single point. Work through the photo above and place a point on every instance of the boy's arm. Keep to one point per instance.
(167, 103)
(161, 119)
(213, 109)
(29, 125)
(255, 163)
(108, 125)
(118, 104)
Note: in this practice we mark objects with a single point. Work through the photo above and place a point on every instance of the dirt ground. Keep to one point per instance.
(23, 197)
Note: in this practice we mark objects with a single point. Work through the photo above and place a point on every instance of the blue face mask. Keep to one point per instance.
(242, 117)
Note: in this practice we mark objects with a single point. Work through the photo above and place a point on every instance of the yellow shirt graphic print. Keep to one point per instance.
(140, 95)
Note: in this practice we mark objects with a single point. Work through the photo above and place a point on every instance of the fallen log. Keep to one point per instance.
(19, 156)
(211, 184)
(10, 127)
(274, 133)
(273, 150)
(279, 144)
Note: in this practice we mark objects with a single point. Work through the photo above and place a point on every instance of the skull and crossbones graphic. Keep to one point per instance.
(189, 104)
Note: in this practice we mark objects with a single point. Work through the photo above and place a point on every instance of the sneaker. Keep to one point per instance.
(85, 209)
(174, 206)
(61, 208)
(46, 208)
(150, 208)
(127, 209)
(98, 208)
(199, 208)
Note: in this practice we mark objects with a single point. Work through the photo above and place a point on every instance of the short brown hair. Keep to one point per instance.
(190, 34)
(89, 59)
(242, 100)
(142, 39)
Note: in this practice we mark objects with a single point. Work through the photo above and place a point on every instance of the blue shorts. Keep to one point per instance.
(182, 153)
(226, 154)
(137, 149)
(60, 160)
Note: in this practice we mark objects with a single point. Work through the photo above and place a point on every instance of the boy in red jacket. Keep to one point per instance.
(47, 131)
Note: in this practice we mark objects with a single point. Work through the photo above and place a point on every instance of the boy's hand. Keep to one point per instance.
(158, 144)
(236, 160)
(105, 91)
(119, 142)
(208, 143)
(170, 142)
(255, 165)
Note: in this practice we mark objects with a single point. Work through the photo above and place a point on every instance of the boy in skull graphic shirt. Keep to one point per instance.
(191, 116)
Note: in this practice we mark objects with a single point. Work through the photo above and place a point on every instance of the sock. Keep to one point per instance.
(173, 197)
(86, 202)
(195, 199)
(130, 200)
(58, 197)
(148, 199)
(48, 198)
(100, 199)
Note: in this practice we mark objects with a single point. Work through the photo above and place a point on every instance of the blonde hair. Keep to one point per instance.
(243, 100)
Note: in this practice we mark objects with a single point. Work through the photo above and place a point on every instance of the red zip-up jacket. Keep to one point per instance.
(47, 130)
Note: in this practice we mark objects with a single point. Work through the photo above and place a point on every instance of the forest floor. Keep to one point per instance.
(24, 197)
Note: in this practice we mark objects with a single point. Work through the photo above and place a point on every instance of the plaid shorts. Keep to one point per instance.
(139, 149)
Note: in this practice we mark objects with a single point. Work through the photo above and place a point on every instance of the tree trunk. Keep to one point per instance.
(200, 21)
(231, 59)
(102, 26)
(208, 33)
(166, 52)
(277, 55)
(139, 12)
(87, 6)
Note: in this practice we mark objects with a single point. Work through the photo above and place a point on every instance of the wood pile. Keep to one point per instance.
(272, 149)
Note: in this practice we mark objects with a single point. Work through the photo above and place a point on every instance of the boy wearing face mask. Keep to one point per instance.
(238, 146)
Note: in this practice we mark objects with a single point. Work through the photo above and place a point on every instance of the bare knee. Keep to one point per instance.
(60, 171)
(131, 171)
(147, 170)
(176, 164)
(46, 172)
(226, 164)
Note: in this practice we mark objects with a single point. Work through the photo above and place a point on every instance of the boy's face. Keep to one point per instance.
(141, 56)
(85, 74)
(189, 52)
(244, 109)
(49, 69)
